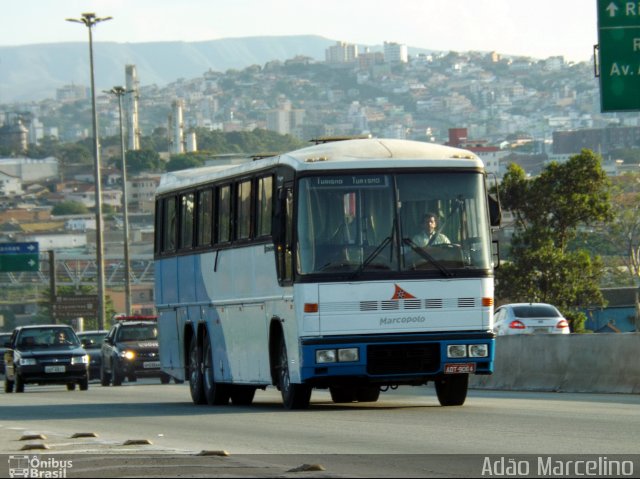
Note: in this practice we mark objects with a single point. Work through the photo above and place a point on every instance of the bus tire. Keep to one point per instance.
(294, 396)
(217, 394)
(196, 387)
(342, 394)
(452, 390)
(242, 395)
(368, 394)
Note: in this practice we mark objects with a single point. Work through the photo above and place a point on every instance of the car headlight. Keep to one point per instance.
(28, 361)
(127, 354)
(80, 359)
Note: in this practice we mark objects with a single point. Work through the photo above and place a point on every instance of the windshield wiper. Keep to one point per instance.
(372, 256)
(428, 257)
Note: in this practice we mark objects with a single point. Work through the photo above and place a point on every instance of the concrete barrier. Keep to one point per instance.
(593, 363)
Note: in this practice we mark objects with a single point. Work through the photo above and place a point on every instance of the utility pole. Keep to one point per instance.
(89, 20)
(119, 92)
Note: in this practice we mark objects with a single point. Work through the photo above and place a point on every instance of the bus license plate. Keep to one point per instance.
(151, 365)
(460, 368)
(54, 369)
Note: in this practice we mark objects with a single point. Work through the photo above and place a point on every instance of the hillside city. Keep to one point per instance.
(506, 109)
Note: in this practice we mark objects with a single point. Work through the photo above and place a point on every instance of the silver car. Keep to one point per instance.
(529, 318)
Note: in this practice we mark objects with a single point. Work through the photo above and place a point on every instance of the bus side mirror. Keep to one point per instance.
(495, 211)
(493, 198)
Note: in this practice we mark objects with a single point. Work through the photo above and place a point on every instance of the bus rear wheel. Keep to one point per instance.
(294, 396)
(196, 387)
(217, 394)
(452, 390)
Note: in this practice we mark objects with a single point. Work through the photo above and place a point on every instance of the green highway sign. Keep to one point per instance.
(619, 46)
(19, 257)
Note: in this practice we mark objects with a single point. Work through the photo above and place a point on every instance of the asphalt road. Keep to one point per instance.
(405, 434)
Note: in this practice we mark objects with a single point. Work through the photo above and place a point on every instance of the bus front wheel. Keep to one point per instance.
(452, 390)
(294, 396)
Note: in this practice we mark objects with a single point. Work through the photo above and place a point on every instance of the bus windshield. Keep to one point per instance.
(434, 222)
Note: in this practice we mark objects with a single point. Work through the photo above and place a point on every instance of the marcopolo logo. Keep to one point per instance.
(36, 466)
(401, 320)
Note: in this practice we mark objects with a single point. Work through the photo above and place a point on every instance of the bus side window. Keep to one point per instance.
(243, 210)
(158, 227)
(265, 206)
(204, 226)
(223, 220)
(186, 220)
(169, 225)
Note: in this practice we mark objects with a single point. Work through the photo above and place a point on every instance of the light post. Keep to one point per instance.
(120, 92)
(89, 20)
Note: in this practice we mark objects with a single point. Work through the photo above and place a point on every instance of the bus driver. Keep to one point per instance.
(430, 236)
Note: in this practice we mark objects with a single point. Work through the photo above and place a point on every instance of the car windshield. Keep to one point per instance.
(536, 311)
(37, 338)
(91, 340)
(138, 333)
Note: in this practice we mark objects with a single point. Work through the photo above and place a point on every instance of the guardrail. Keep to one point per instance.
(590, 363)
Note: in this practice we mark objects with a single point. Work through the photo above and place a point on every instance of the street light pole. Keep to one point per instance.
(89, 20)
(120, 92)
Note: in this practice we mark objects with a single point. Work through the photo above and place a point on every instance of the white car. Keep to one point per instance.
(529, 318)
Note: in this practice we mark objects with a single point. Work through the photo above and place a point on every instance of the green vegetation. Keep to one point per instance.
(549, 210)
(69, 208)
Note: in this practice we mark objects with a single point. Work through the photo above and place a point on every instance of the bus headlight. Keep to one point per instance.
(478, 350)
(326, 356)
(348, 355)
(457, 351)
(343, 355)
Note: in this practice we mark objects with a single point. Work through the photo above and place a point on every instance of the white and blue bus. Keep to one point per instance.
(302, 271)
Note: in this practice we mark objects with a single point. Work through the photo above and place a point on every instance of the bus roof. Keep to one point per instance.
(348, 154)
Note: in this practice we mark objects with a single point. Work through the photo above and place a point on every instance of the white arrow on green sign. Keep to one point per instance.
(19, 257)
(619, 45)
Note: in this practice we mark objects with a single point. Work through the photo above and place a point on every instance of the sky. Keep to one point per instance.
(537, 29)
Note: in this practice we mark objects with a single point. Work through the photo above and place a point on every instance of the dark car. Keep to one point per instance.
(92, 343)
(45, 354)
(131, 350)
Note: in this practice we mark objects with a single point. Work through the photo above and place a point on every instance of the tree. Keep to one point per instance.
(142, 160)
(184, 161)
(623, 234)
(548, 212)
(69, 208)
